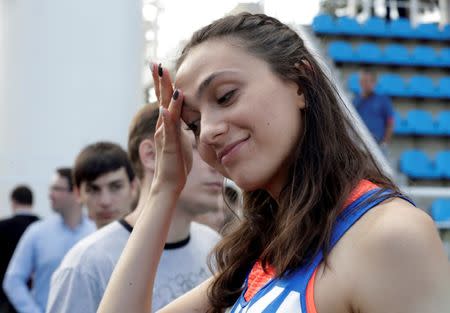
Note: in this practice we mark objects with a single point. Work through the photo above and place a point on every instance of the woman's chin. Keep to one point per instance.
(247, 185)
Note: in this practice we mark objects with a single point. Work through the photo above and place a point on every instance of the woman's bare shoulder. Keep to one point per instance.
(401, 256)
(397, 230)
(398, 218)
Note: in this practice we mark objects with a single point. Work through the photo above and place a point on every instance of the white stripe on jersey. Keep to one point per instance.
(291, 303)
(265, 300)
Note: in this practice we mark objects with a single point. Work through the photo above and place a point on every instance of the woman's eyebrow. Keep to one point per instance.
(208, 80)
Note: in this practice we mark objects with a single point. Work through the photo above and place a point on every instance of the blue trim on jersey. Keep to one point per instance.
(281, 288)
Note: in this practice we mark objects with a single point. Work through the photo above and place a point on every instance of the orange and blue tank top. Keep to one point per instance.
(265, 293)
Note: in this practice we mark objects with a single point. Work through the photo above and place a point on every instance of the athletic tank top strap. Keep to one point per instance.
(348, 217)
(265, 293)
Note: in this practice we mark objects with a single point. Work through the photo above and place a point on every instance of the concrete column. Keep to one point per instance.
(414, 12)
(444, 8)
(71, 75)
(351, 7)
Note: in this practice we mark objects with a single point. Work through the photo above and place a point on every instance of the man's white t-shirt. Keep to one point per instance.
(77, 286)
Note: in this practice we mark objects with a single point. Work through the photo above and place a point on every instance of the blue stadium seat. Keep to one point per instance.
(421, 123)
(401, 28)
(396, 54)
(440, 210)
(443, 57)
(443, 123)
(416, 165)
(324, 24)
(424, 56)
(445, 33)
(423, 86)
(368, 52)
(443, 163)
(348, 26)
(444, 87)
(427, 31)
(374, 26)
(341, 51)
(393, 85)
(353, 83)
(401, 125)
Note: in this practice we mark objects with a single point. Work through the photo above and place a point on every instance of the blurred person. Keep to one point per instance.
(79, 283)
(375, 110)
(370, 8)
(230, 207)
(11, 229)
(105, 181)
(402, 6)
(323, 228)
(44, 244)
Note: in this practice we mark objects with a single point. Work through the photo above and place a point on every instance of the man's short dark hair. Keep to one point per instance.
(98, 159)
(66, 172)
(22, 195)
(142, 126)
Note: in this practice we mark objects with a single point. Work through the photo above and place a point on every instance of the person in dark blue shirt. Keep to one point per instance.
(375, 110)
(11, 229)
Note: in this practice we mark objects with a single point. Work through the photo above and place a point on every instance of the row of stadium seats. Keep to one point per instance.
(422, 123)
(416, 165)
(378, 27)
(440, 210)
(417, 86)
(391, 54)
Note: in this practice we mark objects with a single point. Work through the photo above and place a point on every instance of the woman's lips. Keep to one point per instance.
(227, 154)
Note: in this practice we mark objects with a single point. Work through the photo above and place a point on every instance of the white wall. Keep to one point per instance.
(71, 75)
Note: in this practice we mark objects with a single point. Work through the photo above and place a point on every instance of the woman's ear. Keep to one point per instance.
(147, 154)
(301, 100)
(303, 67)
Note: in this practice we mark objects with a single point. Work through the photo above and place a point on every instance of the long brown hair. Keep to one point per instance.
(329, 161)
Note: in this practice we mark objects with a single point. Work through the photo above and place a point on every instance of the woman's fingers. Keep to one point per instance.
(162, 83)
(176, 104)
(173, 149)
(174, 108)
(160, 119)
(154, 70)
(170, 132)
(171, 116)
(169, 119)
(165, 86)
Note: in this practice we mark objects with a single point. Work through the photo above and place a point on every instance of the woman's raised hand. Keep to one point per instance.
(173, 145)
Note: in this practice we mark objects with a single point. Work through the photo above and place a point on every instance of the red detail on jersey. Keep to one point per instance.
(257, 278)
(363, 187)
(310, 304)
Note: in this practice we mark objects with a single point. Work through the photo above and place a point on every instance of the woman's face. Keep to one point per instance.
(246, 119)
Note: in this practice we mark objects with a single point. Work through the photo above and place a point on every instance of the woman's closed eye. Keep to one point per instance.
(226, 97)
(194, 126)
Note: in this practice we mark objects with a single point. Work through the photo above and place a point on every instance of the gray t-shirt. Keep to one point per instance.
(77, 286)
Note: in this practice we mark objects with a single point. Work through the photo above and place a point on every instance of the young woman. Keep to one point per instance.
(323, 229)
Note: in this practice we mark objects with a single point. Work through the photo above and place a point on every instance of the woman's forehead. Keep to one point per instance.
(212, 57)
(205, 56)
